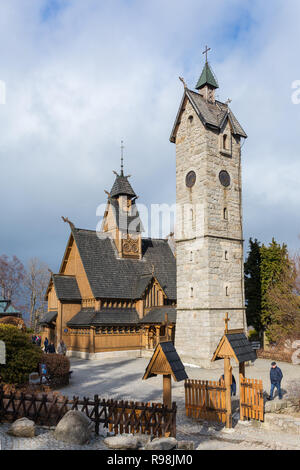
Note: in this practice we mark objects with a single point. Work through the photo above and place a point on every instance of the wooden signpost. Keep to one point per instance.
(234, 344)
(166, 362)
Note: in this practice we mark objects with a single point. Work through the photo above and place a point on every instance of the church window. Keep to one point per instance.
(227, 291)
(191, 120)
(226, 255)
(192, 292)
(225, 141)
(191, 256)
(225, 213)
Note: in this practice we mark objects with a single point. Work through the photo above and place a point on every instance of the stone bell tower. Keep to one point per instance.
(209, 232)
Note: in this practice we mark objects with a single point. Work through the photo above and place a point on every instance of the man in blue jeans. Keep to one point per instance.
(276, 378)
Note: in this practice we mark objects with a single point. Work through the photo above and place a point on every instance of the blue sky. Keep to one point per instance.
(83, 74)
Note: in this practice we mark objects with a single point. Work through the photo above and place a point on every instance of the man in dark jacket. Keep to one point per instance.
(51, 348)
(276, 378)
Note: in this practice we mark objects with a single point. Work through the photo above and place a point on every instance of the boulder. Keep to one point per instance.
(162, 443)
(74, 428)
(123, 442)
(22, 427)
(186, 445)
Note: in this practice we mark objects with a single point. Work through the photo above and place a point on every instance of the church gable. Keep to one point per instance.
(154, 295)
(72, 266)
(52, 297)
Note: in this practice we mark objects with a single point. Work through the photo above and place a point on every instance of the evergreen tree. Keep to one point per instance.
(253, 285)
(274, 261)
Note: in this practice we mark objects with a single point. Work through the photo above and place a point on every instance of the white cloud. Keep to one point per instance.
(96, 72)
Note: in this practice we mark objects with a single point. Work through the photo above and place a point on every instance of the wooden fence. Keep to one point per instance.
(116, 416)
(205, 400)
(251, 399)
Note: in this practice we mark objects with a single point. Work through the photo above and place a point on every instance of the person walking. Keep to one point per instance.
(275, 378)
(233, 384)
(46, 344)
(62, 349)
(51, 348)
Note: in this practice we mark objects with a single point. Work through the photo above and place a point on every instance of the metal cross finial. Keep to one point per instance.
(227, 320)
(122, 158)
(228, 101)
(207, 49)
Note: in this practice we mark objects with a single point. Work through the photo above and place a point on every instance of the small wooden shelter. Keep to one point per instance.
(166, 362)
(233, 345)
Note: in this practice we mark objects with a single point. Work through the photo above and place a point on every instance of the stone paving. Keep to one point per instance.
(121, 379)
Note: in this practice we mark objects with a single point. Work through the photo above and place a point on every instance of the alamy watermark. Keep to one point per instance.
(296, 93)
(154, 221)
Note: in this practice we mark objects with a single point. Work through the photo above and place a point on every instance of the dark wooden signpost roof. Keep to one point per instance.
(165, 361)
(236, 345)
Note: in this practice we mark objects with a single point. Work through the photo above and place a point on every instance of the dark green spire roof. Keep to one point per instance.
(207, 78)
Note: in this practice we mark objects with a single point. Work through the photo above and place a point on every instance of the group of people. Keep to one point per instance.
(49, 348)
(36, 339)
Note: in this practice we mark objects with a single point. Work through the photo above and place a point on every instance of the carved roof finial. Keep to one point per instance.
(153, 269)
(184, 84)
(66, 220)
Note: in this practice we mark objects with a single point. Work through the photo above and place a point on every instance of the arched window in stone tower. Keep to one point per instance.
(225, 142)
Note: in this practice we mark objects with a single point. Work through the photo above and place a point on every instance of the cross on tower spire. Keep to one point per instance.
(207, 49)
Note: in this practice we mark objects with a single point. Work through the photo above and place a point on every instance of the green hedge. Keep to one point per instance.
(22, 357)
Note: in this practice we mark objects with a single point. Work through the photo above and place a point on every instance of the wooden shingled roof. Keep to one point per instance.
(236, 345)
(165, 361)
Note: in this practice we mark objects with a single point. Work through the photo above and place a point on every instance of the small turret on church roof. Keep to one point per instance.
(122, 187)
(207, 78)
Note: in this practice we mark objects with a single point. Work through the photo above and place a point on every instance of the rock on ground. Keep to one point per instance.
(186, 445)
(127, 441)
(162, 443)
(74, 428)
(22, 427)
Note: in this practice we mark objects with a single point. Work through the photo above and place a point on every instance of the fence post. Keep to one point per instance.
(174, 412)
(242, 389)
(227, 375)
(96, 400)
(167, 391)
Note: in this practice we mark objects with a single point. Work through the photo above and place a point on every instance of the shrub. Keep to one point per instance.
(22, 357)
(275, 355)
(57, 364)
(253, 335)
(15, 321)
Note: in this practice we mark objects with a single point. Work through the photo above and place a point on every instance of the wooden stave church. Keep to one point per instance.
(115, 291)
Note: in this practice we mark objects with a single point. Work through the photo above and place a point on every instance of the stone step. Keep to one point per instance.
(279, 422)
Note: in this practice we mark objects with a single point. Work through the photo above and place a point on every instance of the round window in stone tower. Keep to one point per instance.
(224, 178)
(190, 179)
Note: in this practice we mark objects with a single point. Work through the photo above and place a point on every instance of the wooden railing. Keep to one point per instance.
(205, 400)
(251, 399)
(117, 416)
